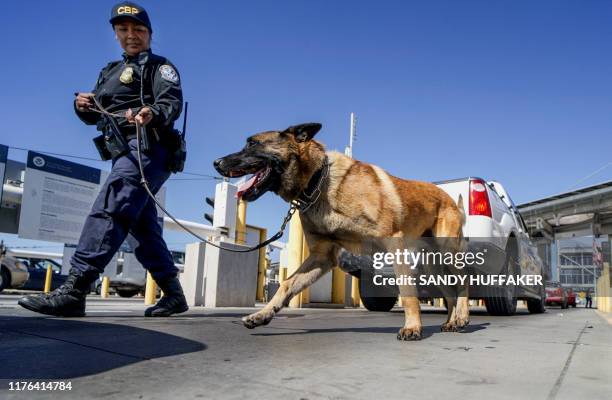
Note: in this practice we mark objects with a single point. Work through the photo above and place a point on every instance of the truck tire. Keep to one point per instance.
(501, 301)
(381, 304)
(536, 306)
(5, 280)
(127, 292)
(375, 298)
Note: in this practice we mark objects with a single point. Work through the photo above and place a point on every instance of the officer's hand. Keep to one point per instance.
(144, 116)
(83, 101)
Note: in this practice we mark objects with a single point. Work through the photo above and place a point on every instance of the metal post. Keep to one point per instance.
(150, 290)
(338, 286)
(241, 229)
(294, 246)
(48, 278)
(355, 292)
(355, 297)
(305, 253)
(105, 287)
(261, 265)
(352, 132)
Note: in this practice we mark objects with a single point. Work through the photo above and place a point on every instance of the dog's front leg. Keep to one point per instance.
(413, 328)
(314, 267)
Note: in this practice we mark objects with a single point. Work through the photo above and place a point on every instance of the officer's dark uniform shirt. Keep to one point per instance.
(123, 206)
(118, 88)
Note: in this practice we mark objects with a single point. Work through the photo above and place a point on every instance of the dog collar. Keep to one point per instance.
(311, 194)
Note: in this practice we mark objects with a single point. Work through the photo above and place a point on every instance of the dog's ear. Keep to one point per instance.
(303, 132)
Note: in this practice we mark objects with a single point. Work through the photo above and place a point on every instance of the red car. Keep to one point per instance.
(571, 298)
(555, 294)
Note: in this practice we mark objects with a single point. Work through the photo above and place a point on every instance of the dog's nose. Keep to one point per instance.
(217, 163)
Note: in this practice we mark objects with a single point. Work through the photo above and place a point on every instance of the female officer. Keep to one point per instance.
(141, 87)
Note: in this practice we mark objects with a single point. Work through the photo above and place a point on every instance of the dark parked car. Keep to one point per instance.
(13, 273)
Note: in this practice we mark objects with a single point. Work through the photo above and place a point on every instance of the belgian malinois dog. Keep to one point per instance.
(346, 200)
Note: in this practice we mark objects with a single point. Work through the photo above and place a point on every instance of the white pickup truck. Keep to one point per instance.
(492, 223)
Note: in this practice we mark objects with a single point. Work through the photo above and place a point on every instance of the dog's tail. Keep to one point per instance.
(461, 210)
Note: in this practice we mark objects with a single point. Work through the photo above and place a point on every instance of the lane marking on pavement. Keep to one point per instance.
(555, 389)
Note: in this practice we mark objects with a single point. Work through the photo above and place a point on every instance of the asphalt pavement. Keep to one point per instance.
(115, 353)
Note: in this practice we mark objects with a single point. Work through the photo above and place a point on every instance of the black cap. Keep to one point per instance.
(130, 10)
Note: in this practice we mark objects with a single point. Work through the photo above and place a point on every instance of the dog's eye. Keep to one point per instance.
(251, 143)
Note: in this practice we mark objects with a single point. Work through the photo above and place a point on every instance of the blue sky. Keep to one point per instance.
(517, 91)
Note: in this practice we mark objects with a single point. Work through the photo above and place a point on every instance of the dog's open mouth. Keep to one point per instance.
(252, 185)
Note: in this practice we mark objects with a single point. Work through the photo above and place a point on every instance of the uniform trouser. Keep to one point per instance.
(123, 206)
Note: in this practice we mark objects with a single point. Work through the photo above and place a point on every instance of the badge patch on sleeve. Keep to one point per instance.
(168, 73)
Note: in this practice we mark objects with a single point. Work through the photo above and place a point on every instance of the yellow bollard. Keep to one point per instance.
(261, 266)
(48, 278)
(105, 287)
(150, 290)
(338, 285)
(241, 229)
(602, 300)
(296, 241)
(282, 274)
(355, 292)
(305, 253)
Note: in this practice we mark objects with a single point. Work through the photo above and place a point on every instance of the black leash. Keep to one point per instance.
(293, 207)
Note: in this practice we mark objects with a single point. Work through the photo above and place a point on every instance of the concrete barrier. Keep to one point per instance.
(230, 278)
(193, 278)
(603, 290)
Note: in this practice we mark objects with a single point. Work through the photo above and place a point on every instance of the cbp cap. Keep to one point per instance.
(130, 10)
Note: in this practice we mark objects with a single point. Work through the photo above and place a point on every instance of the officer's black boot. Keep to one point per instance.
(172, 302)
(67, 300)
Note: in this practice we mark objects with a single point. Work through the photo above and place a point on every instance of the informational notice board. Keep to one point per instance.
(57, 197)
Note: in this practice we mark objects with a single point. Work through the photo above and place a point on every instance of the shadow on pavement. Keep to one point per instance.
(473, 311)
(192, 315)
(52, 348)
(428, 330)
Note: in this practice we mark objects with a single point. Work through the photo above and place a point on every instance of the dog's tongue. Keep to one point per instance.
(246, 185)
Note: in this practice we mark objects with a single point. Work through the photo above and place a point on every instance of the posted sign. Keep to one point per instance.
(57, 196)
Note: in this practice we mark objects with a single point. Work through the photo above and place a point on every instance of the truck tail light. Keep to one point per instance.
(479, 198)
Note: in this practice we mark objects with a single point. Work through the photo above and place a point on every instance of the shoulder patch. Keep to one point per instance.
(168, 73)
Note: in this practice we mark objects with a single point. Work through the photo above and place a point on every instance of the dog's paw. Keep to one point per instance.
(462, 322)
(257, 319)
(409, 334)
(456, 325)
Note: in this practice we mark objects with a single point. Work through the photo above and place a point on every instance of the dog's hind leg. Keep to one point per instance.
(449, 236)
(451, 308)
(321, 260)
